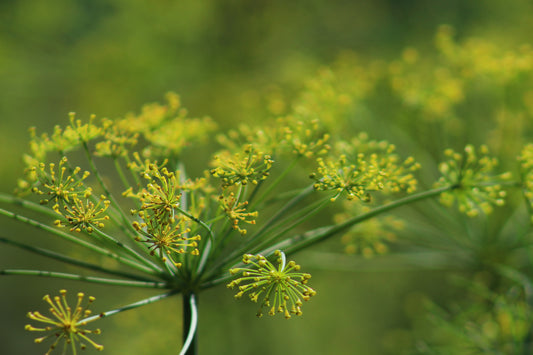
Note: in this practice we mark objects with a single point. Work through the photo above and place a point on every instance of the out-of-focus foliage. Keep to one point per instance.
(386, 67)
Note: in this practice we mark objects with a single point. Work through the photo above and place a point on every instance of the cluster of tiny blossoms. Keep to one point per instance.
(281, 288)
(371, 237)
(476, 187)
(162, 227)
(526, 173)
(66, 324)
(248, 166)
(364, 166)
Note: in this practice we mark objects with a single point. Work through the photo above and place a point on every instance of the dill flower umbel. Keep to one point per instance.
(250, 166)
(83, 215)
(364, 166)
(526, 173)
(236, 212)
(67, 324)
(161, 195)
(283, 288)
(59, 183)
(167, 239)
(477, 188)
(371, 237)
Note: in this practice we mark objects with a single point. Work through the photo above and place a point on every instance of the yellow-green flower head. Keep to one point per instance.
(168, 240)
(161, 195)
(83, 214)
(265, 138)
(63, 139)
(371, 237)
(526, 174)
(59, 183)
(117, 140)
(66, 324)
(476, 186)
(282, 289)
(364, 166)
(236, 212)
(166, 128)
(247, 166)
(303, 137)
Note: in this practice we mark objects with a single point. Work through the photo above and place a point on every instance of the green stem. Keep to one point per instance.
(141, 303)
(80, 242)
(100, 280)
(126, 248)
(123, 218)
(275, 183)
(300, 217)
(267, 225)
(71, 261)
(302, 241)
(190, 322)
(281, 212)
(205, 226)
(120, 172)
(28, 205)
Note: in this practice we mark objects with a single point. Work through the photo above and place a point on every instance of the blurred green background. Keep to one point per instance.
(223, 58)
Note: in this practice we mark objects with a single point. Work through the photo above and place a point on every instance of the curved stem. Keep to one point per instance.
(190, 322)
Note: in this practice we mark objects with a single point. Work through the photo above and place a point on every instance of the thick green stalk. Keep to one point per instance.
(190, 321)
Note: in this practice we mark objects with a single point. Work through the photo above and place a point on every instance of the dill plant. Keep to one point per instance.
(239, 221)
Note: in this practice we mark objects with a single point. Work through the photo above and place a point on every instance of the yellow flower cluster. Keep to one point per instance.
(63, 140)
(241, 168)
(66, 324)
(61, 183)
(163, 226)
(364, 166)
(526, 174)
(166, 128)
(476, 187)
(371, 237)
(83, 215)
(303, 137)
(282, 288)
(236, 212)
(167, 238)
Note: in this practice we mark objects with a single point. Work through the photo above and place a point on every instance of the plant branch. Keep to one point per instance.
(72, 261)
(100, 280)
